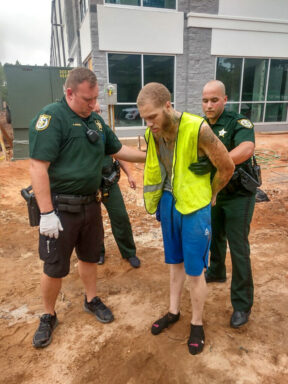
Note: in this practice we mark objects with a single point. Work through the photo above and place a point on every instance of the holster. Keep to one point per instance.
(33, 209)
(248, 179)
(110, 176)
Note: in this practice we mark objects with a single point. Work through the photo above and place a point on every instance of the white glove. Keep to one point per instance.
(50, 225)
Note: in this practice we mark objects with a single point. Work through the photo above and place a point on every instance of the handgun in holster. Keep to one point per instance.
(250, 177)
(33, 209)
(109, 178)
(248, 181)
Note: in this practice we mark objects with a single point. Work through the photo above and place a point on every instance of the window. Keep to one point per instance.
(124, 2)
(257, 88)
(278, 81)
(168, 4)
(83, 5)
(254, 79)
(131, 73)
(229, 72)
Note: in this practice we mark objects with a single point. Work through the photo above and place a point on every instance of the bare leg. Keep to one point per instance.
(177, 278)
(50, 288)
(198, 293)
(88, 274)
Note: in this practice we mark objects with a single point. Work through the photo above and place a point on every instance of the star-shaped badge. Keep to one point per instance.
(222, 132)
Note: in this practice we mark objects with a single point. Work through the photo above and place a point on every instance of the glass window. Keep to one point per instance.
(250, 85)
(127, 115)
(161, 70)
(125, 71)
(168, 4)
(253, 111)
(276, 112)
(278, 81)
(83, 8)
(232, 107)
(229, 72)
(254, 79)
(123, 2)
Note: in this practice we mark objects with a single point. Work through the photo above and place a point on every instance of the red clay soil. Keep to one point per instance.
(125, 352)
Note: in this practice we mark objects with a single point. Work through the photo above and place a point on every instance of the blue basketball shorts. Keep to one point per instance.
(186, 238)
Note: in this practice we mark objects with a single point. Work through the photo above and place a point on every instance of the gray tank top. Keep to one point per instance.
(166, 158)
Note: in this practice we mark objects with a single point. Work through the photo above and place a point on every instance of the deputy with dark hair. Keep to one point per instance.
(232, 214)
(174, 141)
(68, 142)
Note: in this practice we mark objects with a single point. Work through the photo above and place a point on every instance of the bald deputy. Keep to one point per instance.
(232, 214)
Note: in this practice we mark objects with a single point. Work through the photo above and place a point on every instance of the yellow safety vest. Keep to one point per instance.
(191, 192)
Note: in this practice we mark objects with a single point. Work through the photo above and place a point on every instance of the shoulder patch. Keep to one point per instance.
(99, 125)
(245, 123)
(43, 122)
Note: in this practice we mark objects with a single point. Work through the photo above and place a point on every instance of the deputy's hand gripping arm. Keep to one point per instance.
(210, 145)
(50, 224)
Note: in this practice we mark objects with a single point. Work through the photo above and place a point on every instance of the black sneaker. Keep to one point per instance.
(43, 335)
(164, 322)
(134, 261)
(239, 318)
(98, 309)
(196, 340)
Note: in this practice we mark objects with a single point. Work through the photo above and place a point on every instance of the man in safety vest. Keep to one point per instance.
(174, 141)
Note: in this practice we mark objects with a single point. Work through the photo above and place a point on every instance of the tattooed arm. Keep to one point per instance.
(212, 147)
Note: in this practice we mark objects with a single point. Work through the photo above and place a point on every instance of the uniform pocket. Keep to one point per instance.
(48, 249)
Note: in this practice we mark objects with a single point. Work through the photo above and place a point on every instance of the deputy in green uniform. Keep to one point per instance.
(115, 206)
(119, 219)
(232, 214)
(68, 143)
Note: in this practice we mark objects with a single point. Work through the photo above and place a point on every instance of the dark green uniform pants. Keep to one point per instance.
(120, 223)
(231, 218)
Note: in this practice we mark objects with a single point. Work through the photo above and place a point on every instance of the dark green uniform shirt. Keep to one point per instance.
(233, 129)
(58, 135)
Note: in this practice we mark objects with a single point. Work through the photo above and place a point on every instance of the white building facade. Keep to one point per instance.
(182, 44)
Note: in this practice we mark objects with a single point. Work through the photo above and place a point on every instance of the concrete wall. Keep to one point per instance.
(264, 9)
(140, 29)
(85, 37)
(98, 57)
(196, 66)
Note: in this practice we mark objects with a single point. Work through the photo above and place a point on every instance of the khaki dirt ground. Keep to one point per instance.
(124, 352)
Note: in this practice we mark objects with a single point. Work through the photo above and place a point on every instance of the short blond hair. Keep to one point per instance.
(155, 93)
(79, 75)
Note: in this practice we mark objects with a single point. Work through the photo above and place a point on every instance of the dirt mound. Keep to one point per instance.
(124, 352)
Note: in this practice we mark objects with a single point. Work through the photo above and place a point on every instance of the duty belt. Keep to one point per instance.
(72, 203)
